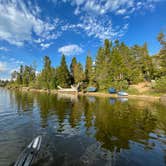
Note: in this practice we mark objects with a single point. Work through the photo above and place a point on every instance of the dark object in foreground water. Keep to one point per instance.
(30, 152)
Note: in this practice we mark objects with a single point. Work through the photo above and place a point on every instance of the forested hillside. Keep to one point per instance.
(116, 65)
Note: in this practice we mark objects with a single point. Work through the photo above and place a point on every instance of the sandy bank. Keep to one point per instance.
(143, 97)
(97, 94)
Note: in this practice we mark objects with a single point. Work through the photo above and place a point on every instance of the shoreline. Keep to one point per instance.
(147, 97)
(95, 94)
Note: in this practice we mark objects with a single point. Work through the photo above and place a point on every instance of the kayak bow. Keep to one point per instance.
(30, 152)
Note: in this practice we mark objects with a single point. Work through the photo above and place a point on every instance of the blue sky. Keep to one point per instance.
(31, 29)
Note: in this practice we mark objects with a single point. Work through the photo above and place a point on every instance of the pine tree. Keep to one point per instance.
(118, 68)
(132, 73)
(62, 74)
(19, 79)
(143, 60)
(78, 73)
(72, 66)
(162, 53)
(88, 69)
(102, 74)
(107, 47)
(46, 74)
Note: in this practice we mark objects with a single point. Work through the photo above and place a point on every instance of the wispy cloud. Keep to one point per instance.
(94, 27)
(72, 49)
(96, 16)
(99, 29)
(3, 67)
(45, 45)
(3, 49)
(8, 65)
(121, 11)
(110, 6)
(21, 20)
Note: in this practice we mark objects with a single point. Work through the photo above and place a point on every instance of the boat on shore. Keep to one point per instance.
(91, 89)
(122, 93)
(72, 90)
(112, 90)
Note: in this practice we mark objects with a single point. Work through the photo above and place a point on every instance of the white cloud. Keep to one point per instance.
(18, 22)
(110, 6)
(3, 49)
(19, 62)
(121, 11)
(15, 61)
(94, 27)
(3, 67)
(95, 18)
(45, 45)
(98, 29)
(72, 49)
(21, 21)
(8, 66)
(126, 17)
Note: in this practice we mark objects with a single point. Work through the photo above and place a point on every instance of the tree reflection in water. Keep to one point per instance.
(114, 123)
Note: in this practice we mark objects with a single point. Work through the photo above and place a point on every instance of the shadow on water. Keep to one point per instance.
(84, 130)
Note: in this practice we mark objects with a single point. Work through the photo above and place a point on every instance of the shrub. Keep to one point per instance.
(119, 85)
(160, 85)
(133, 91)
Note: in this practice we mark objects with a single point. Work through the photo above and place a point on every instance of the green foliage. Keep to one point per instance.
(77, 73)
(72, 66)
(119, 85)
(62, 74)
(90, 72)
(25, 76)
(88, 69)
(28, 75)
(162, 53)
(133, 91)
(143, 61)
(160, 85)
(116, 65)
(3, 83)
(103, 60)
(47, 76)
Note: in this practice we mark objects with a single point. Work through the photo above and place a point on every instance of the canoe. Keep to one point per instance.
(122, 93)
(91, 89)
(112, 90)
(30, 152)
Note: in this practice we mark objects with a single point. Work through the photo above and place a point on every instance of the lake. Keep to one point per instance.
(82, 130)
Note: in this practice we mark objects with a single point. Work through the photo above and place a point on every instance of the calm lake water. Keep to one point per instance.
(82, 130)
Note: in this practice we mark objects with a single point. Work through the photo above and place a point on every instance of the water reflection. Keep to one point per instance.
(115, 124)
(23, 100)
(133, 125)
(102, 130)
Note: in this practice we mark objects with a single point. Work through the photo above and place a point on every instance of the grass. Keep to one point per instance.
(152, 92)
(133, 91)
